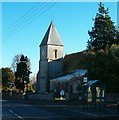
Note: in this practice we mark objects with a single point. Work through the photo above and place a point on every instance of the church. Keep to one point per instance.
(50, 72)
(51, 58)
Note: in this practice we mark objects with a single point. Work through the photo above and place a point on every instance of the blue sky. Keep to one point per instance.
(72, 20)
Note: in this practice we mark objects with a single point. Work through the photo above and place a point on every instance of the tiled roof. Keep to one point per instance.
(51, 37)
(93, 82)
(80, 73)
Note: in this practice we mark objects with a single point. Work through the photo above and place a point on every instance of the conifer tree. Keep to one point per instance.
(22, 73)
(104, 32)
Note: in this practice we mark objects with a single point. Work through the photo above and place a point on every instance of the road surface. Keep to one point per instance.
(13, 110)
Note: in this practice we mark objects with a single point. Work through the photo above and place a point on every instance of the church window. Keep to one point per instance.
(55, 53)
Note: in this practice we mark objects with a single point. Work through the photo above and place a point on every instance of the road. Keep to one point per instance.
(13, 110)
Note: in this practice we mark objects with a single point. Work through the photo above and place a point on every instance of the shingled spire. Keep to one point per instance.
(51, 37)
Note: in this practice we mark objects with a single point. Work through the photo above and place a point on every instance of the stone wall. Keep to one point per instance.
(31, 96)
(112, 97)
(71, 97)
(46, 97)
(13, 96)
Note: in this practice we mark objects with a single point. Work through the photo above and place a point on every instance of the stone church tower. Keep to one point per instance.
(51, 58)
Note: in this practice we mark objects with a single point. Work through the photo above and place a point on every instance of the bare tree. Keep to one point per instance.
(16, 60)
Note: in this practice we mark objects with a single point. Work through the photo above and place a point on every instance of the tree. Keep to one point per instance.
(16, 60)
(104, 32)
(117, 41)
(103, 65)
(7, 77)
(22, 73)
(32, 85)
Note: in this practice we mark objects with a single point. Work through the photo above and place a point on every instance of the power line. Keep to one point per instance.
(19, 21)
(24, 21)
(30, 20)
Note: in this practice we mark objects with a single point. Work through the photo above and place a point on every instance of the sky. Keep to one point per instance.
(24, 25)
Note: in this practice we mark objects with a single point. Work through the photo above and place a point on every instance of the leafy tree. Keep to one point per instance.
(32, 86)
(7, 77)
(104, 32)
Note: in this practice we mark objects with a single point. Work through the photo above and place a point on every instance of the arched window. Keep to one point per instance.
(55, 53)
